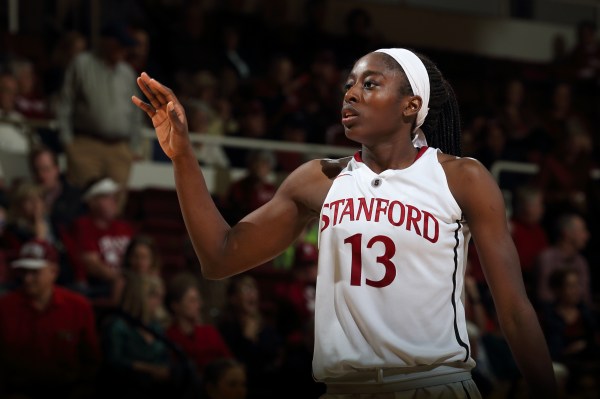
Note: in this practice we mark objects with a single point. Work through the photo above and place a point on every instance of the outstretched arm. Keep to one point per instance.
(482, 203)
(222, 250)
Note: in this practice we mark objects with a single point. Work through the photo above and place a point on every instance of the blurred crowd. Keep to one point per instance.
(100, 291)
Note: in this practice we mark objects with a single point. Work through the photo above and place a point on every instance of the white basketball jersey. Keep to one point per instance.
(392, 256)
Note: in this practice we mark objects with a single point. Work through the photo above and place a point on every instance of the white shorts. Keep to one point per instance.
(454, 386)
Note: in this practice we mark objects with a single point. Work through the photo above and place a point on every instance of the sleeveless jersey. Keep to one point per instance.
(392, 257)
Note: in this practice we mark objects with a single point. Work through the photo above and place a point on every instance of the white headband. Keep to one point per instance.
(417, 77)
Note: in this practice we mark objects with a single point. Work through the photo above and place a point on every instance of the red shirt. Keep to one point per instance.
(109, 243)
(203, 345)
(530, 240)
(57, 345)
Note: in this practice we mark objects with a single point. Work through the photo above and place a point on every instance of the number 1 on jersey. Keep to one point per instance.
(355, 242)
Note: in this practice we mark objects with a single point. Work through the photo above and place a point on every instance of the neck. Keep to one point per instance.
(392, 155)
(566, 248)
(101, 222)
(42, 301)
(186, 325)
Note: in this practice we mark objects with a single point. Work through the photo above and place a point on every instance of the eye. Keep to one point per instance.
(347, 86)
(369, 84)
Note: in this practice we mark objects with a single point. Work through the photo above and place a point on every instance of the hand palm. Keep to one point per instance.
(167, 115)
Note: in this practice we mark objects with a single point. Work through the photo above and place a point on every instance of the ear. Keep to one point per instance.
(412, 106)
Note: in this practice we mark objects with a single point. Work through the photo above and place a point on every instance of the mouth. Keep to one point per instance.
(349, 114)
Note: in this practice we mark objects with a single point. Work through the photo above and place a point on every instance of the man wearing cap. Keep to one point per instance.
(102, 238)
(99, 126)
(48, 341)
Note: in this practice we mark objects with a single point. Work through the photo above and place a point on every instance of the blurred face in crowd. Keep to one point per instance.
(515, 92)
(8, 92)
(533, 208)
(154, 299)
(26, 78)
(562, 96)
(141, 259)
(231, 385)
(113, 51)
(46, 171)
(104, 206)
(246, 297)
(32, 205)
(577, 233)
(39, 282)
(189, 306)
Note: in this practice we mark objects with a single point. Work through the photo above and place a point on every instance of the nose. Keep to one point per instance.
(351, 95)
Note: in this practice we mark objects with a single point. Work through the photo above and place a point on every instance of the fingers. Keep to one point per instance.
(148, 92)
(158, 94)
(144, 106)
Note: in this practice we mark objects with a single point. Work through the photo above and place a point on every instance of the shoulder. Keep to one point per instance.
(462, 167)
(469, 181)
(74, 299)
(310, 182)
(8, 300)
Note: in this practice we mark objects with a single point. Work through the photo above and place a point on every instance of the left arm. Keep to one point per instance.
(483, 206)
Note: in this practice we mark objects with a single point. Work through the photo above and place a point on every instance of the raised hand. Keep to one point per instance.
(167, 115)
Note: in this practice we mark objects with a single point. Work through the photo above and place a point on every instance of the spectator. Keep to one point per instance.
(69, 45)
(294, 130)
(253, 342)
(565, 174)
(27, 217)
(48, 342)
(585, 55)
(296, 297)
(13, 138)
(253, 125)
(527, 231)
(99, 127)
(571, 329)
(201, 342)
(62, 200)
(278, 91)
(562, 117)
(141, 257)
(137, 361)
(203, 120)
(30, 102)
(253, 190)
(518, 120)
(225, 379)
(572, 236)
(101, 238)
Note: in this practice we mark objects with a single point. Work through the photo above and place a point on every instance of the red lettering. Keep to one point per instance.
(382, 205)
(324, 218)
(336, 205)
(412, 217)
(391, 213)
(436, 227)
(348, 210)
(362, 207)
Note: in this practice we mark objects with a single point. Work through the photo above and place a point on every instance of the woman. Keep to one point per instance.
(137, 362)
(389, 316)
(201, 342)
(251, 339)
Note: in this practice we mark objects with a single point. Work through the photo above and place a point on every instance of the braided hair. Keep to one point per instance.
(442, 125)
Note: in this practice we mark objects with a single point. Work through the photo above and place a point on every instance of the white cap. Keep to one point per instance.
(102, 187)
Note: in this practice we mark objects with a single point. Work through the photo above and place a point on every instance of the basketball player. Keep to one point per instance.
(395, 221)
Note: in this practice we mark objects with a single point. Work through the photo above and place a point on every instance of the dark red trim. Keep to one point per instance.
(358, 156)
(421, 152)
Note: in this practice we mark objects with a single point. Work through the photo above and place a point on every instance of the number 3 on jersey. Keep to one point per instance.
(355, 242)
